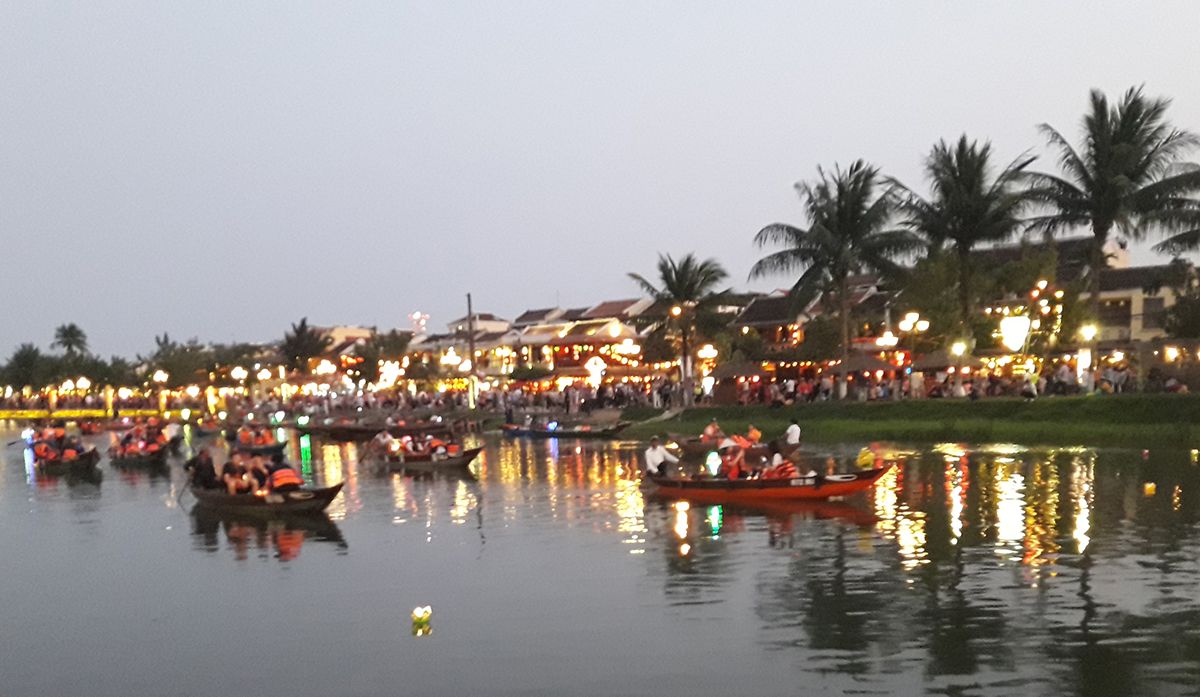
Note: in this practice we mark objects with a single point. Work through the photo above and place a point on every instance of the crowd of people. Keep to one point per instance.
(53, 444)
(243, 474)
(146, 439)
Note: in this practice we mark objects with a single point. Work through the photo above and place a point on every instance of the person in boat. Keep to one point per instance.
(233, 474)
(657, 456)
(283, 479)
(72, 448)
(779, 467)
(712, 432)
(792, 435)
(435, 446)
(44, 451)
(202, 471)
(733, 460)
(383, 443)
(257, 472)
(172, 431)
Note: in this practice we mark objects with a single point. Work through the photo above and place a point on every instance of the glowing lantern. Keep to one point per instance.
(239, 373)
(707, 352)
(83, 383)
(264, 374)
(1014, 330)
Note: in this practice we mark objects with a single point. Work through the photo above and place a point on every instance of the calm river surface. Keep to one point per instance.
(969, 571)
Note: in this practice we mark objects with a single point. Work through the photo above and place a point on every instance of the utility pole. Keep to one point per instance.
(472, 388)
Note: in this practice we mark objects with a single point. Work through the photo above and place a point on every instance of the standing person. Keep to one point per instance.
(792, 435)
(656, 455)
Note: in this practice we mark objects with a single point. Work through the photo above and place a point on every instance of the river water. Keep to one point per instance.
(994, 570)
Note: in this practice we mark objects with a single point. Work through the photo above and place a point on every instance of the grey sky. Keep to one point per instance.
(221, 169)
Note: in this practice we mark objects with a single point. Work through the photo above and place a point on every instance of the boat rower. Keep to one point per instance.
(792, 435)
(656, 457)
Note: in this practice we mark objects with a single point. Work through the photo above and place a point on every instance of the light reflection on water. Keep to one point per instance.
(993, 571)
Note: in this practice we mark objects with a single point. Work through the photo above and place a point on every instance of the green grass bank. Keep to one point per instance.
(1138, 421)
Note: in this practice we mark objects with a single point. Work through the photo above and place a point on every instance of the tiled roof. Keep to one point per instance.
(573, 314)
(610, 308)
(534, 316)
(769, 310)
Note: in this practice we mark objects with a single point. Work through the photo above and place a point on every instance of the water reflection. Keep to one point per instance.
(965, 571)
(280, 538)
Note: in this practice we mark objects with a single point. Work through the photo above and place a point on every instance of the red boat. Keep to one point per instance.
(756, 490)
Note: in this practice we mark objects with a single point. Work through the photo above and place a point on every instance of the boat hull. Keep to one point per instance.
(273, 449)
(426, 462)
(759, 490)
(156, 459)
(515, 431)
(85, 462)
(291, 502)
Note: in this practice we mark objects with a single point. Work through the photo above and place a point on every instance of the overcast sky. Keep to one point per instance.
(219, 170)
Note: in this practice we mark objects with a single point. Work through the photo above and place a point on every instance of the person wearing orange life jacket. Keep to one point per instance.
(245, 436)
(284, 478)
(437, 447)
(780, 466)
(712, 432)
(733, 460)
(753, 435)
(43, 451)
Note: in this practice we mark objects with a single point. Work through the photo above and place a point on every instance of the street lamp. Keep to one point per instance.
(239, 373)
(958, 348)
(160, 376)
(1088, 332)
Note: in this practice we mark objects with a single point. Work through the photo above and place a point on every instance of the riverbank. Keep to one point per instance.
(1139, 421)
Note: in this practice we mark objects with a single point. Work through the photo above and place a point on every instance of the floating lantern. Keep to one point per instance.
(421, 618)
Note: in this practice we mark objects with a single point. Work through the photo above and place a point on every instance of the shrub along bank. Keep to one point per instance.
(1137, 420)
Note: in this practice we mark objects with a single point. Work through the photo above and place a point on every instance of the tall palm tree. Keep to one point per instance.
(689, 288)
(71, 339)
(301, 344)
(847, 234)
(1128, 176)
(969, 204)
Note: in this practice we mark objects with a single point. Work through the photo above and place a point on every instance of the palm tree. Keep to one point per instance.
(301, 344)
(71, 339)
(26, 367)
(969, 205)
(689, 288)
(847, 234)
(1127, 177)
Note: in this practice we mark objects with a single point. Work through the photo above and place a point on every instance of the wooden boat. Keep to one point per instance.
(693, 447)
(350, 432)
(158, 458)
(752, 490)
(272, 449)
(84, 462)
(585, 431)
(299, 501)
(426, 461)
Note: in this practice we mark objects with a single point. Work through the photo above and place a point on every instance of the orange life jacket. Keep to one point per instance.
(285, 476)
(70, 454)
(43, 451)
(785, 470)
(245, 437)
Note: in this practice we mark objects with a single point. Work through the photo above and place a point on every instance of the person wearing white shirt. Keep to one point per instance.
(792, 435)
(656, 455)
